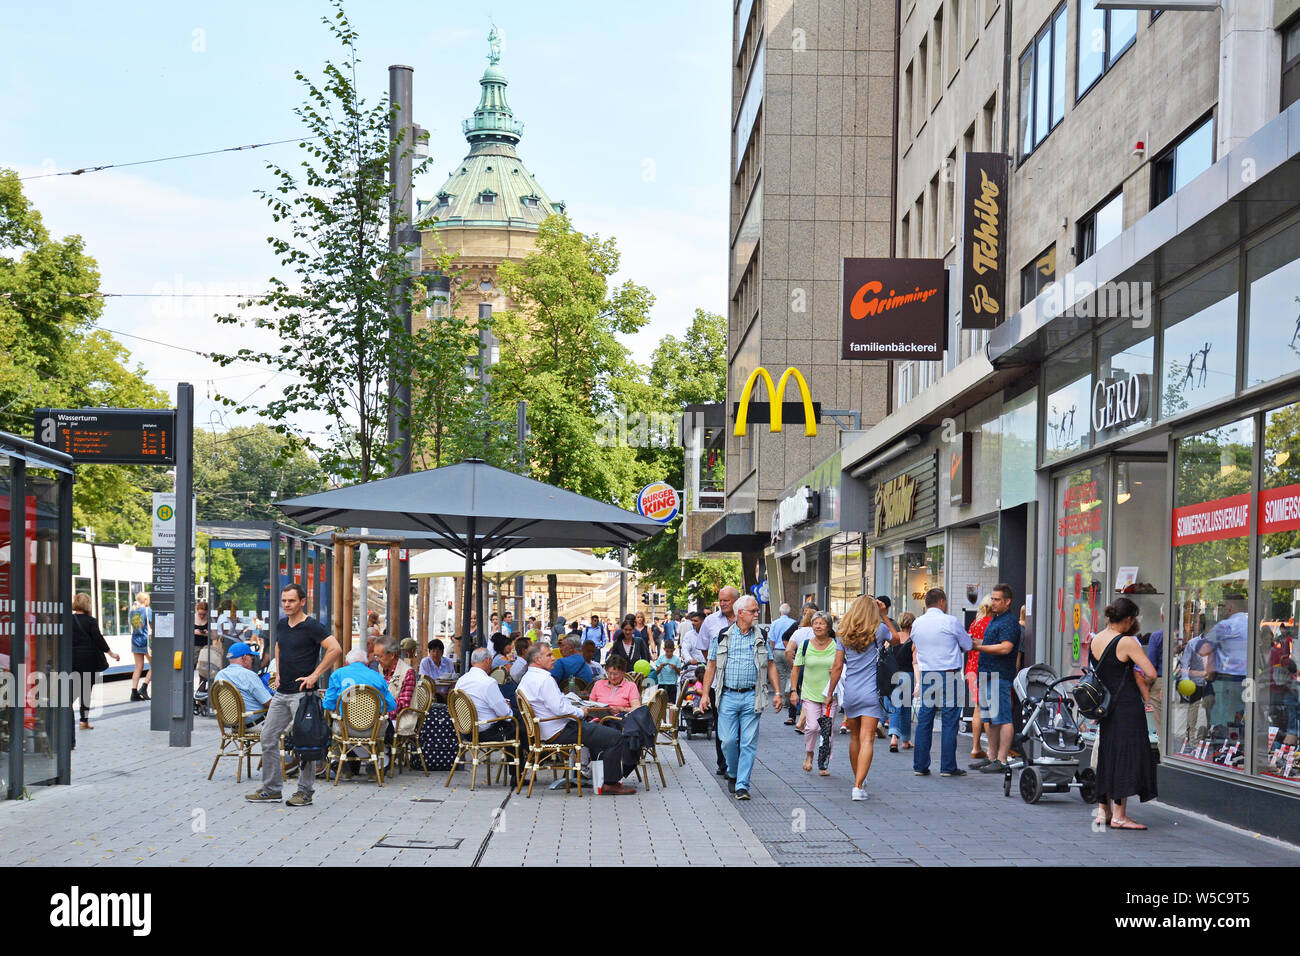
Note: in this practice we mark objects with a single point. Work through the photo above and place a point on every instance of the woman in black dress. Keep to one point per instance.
(1126, 764)
(88, 650)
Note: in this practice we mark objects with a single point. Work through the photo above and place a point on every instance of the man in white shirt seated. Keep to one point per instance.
(543, 693)
(240, 673)
(489, 703)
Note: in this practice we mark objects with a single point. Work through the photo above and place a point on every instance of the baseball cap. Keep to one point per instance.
(241, 650)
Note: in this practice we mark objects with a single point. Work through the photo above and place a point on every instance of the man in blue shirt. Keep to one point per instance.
(596, 632)
(997, 669)
(940, 644)
(670, 627)
(572, 663)
(356, 672)
(777, 634)
(240, 673)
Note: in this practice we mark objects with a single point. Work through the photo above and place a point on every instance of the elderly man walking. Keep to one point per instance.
(741, 656)
(941, 644)
(715, 624)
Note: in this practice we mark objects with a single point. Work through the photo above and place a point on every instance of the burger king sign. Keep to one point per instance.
(658, 502)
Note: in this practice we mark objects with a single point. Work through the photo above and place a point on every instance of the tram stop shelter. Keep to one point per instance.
(270, 556)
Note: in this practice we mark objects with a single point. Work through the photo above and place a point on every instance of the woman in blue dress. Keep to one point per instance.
(861, 635)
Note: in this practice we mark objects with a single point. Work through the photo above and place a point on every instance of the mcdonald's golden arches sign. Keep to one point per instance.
(775, 411)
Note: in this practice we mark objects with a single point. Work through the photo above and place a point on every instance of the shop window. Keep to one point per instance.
(1103, 36)
(1042, 84)
(1206, 662)
(1100, 226)
(1140, 541)
(1276, 682)
(1182, 162)
(846, 571)
(1019, 427)
(1121, 399)
(1200, 341)
(1273, 329)
(1080, 563)
(1068, 378)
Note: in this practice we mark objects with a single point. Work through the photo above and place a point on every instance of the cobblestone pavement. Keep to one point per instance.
(137, 802)
(804, 819)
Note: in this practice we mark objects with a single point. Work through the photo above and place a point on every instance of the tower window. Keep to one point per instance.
(487, 197)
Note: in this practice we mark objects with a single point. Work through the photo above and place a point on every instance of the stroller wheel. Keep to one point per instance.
(1088, 790)
(1031, 785)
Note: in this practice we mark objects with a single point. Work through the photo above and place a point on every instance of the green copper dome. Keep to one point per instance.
(491, 186)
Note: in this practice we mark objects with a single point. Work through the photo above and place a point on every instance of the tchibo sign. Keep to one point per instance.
(1120, 402)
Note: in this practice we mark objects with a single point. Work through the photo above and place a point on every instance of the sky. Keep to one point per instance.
(625, 110)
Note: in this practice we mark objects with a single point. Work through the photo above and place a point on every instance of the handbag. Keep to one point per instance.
(1091, 695)
(886, 667)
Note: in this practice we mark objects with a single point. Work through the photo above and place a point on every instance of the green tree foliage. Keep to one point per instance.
(338, 343)
(559, 353)
(686, 371)
(240, 474)
(54, 357)
(215, 566)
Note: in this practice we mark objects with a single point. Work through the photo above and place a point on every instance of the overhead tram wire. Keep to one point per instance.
(167, 159)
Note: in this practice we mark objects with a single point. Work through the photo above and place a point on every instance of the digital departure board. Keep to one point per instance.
(109, 436)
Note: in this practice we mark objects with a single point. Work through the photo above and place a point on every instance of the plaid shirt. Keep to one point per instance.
(740, 671)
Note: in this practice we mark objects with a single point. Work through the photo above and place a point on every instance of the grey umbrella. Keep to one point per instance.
(474, 510)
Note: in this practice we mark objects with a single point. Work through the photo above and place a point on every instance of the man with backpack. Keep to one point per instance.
(299, 640)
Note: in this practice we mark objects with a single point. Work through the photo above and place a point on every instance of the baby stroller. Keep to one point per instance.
(1051, 739)
(690, 719)
(207, 663)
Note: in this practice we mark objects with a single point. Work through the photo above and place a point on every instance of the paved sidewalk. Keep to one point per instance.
(136, 801)
(804, 819)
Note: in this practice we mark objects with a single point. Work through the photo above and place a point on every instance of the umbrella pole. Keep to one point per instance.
(468, 591)
(478, 597)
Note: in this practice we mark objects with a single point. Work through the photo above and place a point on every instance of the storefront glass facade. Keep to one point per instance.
(847, 571)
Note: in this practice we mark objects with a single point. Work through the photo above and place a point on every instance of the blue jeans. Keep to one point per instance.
(738, 732)
(900, 717)
(937, 688)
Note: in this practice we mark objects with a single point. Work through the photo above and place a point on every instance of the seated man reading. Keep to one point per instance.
(240, 673)
(356, 671)
(571, 662)
(606, 743)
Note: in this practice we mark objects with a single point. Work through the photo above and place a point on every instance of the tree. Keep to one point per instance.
(560, 354)
(239, 474)
(687, 371)
(339, 345)
(56, 358)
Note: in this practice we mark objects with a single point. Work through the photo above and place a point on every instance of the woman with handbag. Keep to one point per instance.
(1126, 764)
(812, 662)
(862, 635)
(88, 650)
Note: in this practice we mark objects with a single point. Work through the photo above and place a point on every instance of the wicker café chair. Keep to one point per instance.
(464, 715)
(541, 753)
(232, 718)
(362, 723)
(579, 685)
(668, 729)
(500, 675)
(406, 733)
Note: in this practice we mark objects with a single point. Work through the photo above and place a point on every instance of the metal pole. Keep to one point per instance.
(467, 591)
(18, 623)
(182, 710)
(363, 605)
(622, 585)
(521, 438)
(401, 138)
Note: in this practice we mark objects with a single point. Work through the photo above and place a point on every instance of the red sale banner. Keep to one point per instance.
(1279, 509)
(1212, 520)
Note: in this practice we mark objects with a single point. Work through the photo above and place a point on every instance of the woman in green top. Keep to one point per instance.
(817, 655)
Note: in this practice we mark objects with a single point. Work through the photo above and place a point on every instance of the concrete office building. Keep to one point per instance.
(812, 140)
(1129, 429)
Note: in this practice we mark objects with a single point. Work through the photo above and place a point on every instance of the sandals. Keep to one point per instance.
(807, 763)
(893, 745)
(823, 773)
(978, 755)
(1126, 824)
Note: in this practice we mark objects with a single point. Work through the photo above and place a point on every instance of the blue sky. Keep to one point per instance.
(625, 110)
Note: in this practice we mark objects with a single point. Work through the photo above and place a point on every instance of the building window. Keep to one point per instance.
(1121, 397)
(1100, 226)
(1042, 84)
(1200, 341)
(487, 197)
(905, 104)
(920, 96)
(1291, 63)
(1068, 381)
(1182, 162)
(1082, 505)
(1273, 326)
(1103, 36)
(939, 71)
(1036, 276)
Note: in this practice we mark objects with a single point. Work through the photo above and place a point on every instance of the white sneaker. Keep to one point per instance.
(859, 794)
